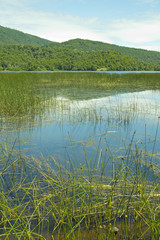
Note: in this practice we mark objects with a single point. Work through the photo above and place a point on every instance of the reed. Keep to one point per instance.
(40, 198)
(40, 202)
(24, 95)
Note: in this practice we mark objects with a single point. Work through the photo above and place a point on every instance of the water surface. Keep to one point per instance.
(82, 124)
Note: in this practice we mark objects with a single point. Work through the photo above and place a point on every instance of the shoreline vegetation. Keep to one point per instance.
(22, 87)
(39, 201)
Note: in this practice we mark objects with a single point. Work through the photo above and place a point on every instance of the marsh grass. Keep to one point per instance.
(24, 97)
(40, 202)
(41, 199)
(81, 78)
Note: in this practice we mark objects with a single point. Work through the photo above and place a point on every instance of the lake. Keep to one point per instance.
(76, 118)
(79, 155)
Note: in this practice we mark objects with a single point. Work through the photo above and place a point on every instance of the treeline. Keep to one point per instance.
(49, 58)
(14, 37)
(152, 57)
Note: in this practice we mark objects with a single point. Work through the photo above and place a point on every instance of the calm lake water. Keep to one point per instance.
(86, 123)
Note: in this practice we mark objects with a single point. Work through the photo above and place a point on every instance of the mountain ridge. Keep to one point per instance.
(10, 36)
(90, 45)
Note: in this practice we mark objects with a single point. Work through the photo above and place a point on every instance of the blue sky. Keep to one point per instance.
(133, 23)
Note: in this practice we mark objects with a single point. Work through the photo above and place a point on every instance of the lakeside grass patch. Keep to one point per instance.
(79, 78)
(21, 93)
(40, 202)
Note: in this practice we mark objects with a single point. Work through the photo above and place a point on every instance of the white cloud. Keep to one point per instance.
(149, 47)
(136, 32)
(53, 26)
(60, 27)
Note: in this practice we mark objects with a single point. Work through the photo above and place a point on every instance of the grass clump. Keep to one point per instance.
(40, 202)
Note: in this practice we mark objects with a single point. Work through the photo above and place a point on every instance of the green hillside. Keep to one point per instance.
(29, 58)
(11, 36)
(88, 45)
(77, 54)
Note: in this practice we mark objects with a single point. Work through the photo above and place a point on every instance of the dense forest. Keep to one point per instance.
(29, 58)
(152, 57)
(11, 36)
(24, 52)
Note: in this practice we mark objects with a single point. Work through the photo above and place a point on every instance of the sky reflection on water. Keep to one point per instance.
(82, 129)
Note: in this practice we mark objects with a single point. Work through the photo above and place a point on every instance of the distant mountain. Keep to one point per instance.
(152, 57)
(14, 37)
(11, 36)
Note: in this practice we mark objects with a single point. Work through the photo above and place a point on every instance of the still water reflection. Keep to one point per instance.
(88, 124)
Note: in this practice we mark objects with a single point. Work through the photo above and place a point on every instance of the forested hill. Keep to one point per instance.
(88, 45)
(11, 36)
(47, 58)
(21, 51)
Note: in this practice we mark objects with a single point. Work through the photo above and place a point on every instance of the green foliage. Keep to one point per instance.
(39, 202)
(88, 45)
(48, 58)
(24, 93)
(11, 36)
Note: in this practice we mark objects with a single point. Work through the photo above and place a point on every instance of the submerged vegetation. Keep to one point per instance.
(39, 202)
(21, 94)
(25, 97)
(41, 198)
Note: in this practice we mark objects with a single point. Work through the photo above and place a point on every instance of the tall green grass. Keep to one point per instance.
(40, 202)
(21, 94)
(85, 78)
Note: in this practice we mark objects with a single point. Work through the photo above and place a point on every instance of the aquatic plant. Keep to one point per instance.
(43, 202)
(40, 198)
